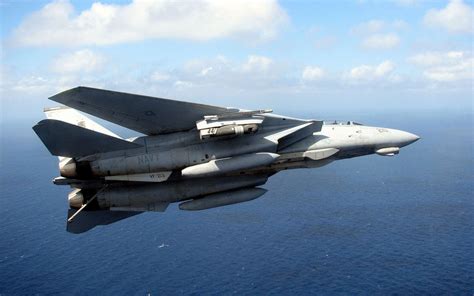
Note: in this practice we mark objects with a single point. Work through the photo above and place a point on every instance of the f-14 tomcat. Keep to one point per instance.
(199, 155)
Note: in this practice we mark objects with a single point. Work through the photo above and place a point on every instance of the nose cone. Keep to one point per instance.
(404, 138)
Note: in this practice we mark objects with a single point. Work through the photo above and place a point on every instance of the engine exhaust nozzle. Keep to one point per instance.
(75, 198)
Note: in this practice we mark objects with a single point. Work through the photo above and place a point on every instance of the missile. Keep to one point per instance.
(231, 164)
(222, 199)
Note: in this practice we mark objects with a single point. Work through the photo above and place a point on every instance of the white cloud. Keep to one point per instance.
(205, 71)
(183, 84)
(445, 66)
(377, 26)
(35, 85)
(257, 64)
(367, 73)
(375, 36)
(258, 72)
(312, 73)
(384, 68)
(399, 24)
(369, 27)
(456, 17)
(406, 2)
(428, 58)
(251, 79)
(79, 61)
(159, 76)
(58, 24)
(30, 83)
(381, 41)
(254, 67)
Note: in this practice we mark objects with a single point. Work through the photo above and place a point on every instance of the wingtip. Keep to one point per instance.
(39, 124)
(60, 97)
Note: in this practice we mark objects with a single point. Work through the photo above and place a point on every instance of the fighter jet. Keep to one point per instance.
(197, 155)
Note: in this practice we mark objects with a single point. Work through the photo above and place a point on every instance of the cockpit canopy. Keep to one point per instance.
(341, 122)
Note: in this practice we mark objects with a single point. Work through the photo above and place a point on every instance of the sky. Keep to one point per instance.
(291, 56)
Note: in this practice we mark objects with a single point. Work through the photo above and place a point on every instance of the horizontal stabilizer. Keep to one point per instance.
(87, 220)
(64, 139)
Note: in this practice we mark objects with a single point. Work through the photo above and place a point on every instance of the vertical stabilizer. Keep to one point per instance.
(73, 116)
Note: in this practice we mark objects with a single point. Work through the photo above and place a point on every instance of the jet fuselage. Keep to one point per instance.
(185, 149)
(200, 155)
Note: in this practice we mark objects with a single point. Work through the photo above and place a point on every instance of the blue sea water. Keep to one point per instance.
(369, 225)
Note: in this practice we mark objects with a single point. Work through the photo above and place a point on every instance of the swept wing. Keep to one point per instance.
(147, 115)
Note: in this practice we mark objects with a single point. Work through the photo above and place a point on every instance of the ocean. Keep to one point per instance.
(368, 225)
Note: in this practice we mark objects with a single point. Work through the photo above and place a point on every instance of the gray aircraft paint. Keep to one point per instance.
(189, 153)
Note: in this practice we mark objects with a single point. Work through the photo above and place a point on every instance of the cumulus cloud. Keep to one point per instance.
(311, 73)
(255, 71)
(257, 64)
(381, 41)
(206, 71)
(379, 34)
(369, 27)
(30, 84)
(211, 68)
(445, 66)
(377, 26)
(399, 25)
(37, 85)
(369, 73)
(159, 76)
(79, 61)
(58, 24)
(456, 17)
(406, 2)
